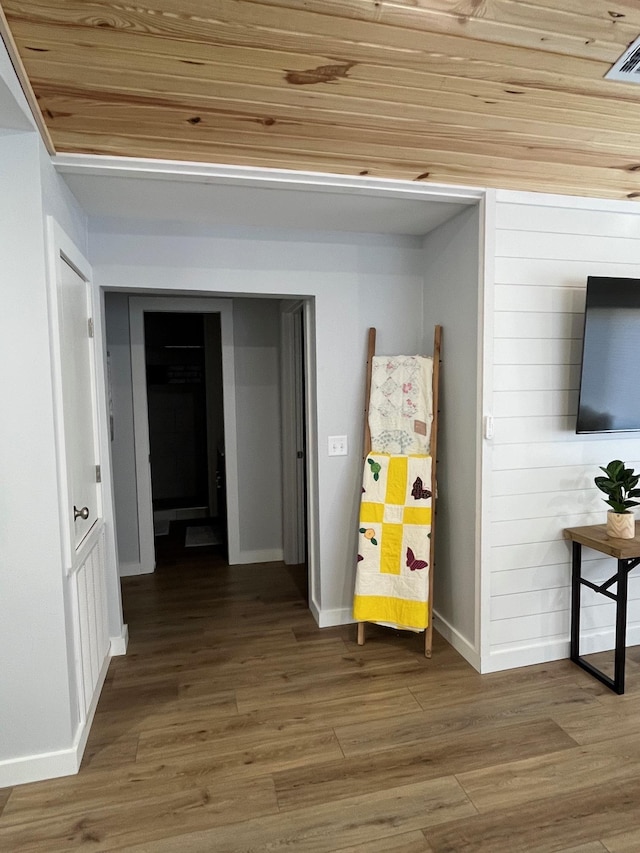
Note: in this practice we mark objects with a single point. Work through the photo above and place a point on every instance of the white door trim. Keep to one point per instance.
(294, 546)
(200, 305)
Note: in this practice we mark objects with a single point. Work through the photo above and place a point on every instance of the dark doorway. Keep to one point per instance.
(186, 433)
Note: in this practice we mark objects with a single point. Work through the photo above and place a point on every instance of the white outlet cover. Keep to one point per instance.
(338, 445)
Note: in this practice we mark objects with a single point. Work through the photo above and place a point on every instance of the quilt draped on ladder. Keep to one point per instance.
(401, 403)
(392, 576)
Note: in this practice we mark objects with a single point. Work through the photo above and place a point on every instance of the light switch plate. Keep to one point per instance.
(338, 445)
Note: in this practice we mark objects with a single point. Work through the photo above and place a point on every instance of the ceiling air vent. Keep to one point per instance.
(627, 68)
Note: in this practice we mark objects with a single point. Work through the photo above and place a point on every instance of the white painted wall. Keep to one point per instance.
(123, 458)
(256, 343)
(452, 292)
(355, 280)
(541, 473)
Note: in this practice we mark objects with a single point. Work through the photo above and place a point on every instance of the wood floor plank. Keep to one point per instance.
(326, 828)
(443, 721)
(107, 751)
(137, 697)
(523, 781)
(355, 681)
(443, 755)
(149, 815)
(623, 842)
(257, 752)
(500, 684)
(599, 720)
(550, 825)
(329, 712)
(408, 842)
(5, 793)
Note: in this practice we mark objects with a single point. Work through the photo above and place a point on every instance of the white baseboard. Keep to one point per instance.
(52, 765)
(34, 768)
(331, 618)
(315, 611)
(128, 570)
(266, 555)
(457, 640)
(118, 645)
(554, 649)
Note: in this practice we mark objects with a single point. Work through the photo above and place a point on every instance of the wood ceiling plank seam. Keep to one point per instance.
(594, 8)
(366, 73)
(61, 117)
(41, 38)
(301, 22)
(411, 146)
(96, 80)
(542, 81)
(443, 21)
(549, 19)
(488, 123)
(253, 111)
(333, 52)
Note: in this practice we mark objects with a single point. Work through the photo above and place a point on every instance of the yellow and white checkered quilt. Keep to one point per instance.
(392, 578)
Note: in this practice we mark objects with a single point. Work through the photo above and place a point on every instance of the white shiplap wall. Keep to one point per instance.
(540, 472)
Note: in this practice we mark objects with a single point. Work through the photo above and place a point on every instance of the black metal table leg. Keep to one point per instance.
(576, 565)
(621, 580)
(621, 626)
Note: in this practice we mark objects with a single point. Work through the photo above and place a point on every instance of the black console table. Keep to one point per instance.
(627, 553)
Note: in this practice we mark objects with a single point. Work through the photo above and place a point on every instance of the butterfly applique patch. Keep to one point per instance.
(413, 562)
(418, 492)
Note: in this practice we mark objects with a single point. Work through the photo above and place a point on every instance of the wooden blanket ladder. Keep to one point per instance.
(433, 446)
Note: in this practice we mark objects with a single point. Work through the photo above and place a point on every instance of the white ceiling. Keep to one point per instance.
(209, 202)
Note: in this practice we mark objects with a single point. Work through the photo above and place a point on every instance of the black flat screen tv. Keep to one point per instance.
(609, 398)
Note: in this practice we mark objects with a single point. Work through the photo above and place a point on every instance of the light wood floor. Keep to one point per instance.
(235, 725)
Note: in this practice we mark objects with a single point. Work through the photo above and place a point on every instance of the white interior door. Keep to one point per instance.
(78, 399)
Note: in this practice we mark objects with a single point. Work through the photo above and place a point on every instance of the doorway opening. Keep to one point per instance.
(232, 378)
(186, 424)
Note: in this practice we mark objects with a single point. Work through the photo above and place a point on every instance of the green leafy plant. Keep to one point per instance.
(620, 486)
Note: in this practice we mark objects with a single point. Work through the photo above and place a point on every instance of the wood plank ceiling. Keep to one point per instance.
(501, 93)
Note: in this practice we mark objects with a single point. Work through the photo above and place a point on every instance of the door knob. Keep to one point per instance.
(80, 513)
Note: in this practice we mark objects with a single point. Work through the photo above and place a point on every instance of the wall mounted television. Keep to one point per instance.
(609, 398)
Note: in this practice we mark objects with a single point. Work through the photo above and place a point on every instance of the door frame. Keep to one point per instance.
(138, 305)
(61, 249)
(294, 421)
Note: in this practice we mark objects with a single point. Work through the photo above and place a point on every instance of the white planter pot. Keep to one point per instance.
(621, 525)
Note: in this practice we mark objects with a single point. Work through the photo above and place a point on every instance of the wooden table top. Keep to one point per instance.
(595, 536)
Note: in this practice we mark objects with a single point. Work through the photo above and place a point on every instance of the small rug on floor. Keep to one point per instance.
(203, 534)
(161, 528)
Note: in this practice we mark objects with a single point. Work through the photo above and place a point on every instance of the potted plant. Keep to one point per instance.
(620, 487)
